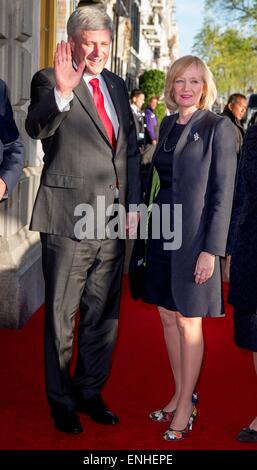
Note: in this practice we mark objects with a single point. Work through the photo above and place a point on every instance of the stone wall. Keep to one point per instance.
(22, 287)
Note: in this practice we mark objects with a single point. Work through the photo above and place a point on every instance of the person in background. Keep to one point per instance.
(194, 167)
(81, 113)
(11, 148)
(241, 265)
(151, 121)
(235, 110)
(151, 137)
(253, 119)
(137, 99)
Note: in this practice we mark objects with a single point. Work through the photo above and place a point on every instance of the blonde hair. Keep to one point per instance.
(177, 68)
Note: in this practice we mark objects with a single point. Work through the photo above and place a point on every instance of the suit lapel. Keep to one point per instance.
(197, 116)
(116, 100)
(184, 136)
(85, 98)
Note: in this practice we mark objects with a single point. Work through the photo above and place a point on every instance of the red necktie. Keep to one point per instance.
(99, 103)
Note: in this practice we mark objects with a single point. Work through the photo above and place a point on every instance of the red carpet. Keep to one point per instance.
(138, 384)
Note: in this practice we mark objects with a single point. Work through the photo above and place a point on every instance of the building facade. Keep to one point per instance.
(21, 291)
(145, 37)
(29, 30)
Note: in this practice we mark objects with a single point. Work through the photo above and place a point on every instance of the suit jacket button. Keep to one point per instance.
(112, 187)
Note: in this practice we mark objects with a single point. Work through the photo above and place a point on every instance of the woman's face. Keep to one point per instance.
(188, 88)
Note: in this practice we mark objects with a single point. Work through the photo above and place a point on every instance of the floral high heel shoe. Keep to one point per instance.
(167, 416)
(178, 435)
(162, 415)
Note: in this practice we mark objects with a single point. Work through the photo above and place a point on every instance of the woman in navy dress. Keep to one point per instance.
(242, 244)
(193, 171)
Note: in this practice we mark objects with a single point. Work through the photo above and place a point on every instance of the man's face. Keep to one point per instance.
(238, 108)
(139, 100)
(93, 47)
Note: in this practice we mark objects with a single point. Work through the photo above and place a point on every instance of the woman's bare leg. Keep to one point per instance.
(191, 344)
(172, 340)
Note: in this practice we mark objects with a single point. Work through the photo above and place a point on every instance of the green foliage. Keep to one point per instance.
(230, 56)
(160, 111)
(230, 51)
(152, 84)
(242, 10)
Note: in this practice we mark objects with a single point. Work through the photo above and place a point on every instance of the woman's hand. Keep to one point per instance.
(204, 267)
(227, 266)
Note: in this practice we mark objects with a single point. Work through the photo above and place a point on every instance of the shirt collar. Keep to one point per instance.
(87, 77)
(135, 108)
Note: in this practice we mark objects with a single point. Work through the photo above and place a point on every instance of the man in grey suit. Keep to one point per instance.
(11, 148)
(81, 113)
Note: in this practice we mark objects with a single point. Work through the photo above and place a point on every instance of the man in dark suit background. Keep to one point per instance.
(11, 148)
(81, 113)
(235, 110)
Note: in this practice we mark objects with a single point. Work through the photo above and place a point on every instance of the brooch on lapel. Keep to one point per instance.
(193, 137)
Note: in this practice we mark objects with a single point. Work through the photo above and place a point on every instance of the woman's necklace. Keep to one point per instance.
(167, 150)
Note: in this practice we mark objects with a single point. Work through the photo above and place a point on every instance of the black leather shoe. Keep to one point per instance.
(98, 412)
(247, 435)
(67, 421)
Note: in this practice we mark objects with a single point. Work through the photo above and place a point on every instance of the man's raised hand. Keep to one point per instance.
(66, 76)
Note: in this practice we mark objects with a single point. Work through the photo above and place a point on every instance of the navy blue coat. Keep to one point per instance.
(242, 240)
(11, 149)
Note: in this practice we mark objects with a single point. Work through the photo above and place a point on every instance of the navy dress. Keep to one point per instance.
(157, 283)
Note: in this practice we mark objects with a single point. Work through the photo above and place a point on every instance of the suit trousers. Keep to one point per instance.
(84, 275)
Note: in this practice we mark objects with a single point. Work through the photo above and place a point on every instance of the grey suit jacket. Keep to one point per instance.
(79, 162)
(204, 167)
(11, 148)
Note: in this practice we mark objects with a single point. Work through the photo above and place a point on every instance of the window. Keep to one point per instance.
(54, 16)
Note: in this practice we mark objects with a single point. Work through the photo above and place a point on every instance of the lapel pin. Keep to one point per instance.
(196, 136)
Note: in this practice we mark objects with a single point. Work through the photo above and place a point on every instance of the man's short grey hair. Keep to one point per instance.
(88, 19)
